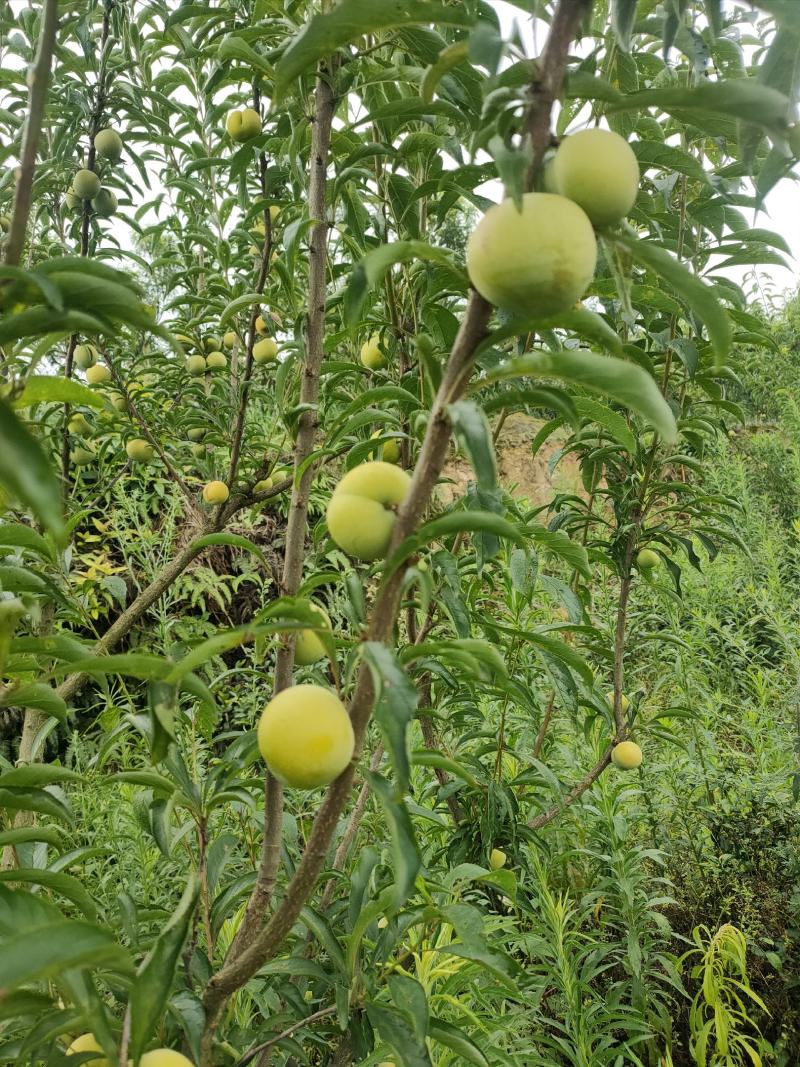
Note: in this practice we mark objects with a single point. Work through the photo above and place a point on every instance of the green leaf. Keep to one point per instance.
(370, 271)
(16, 535)
(26, 473)
(405, 850)
(247, 300)
(348, 20)
(47, 950)
(580, 321)
(700, 297)
(454, 522)
(64, 884)
(562, 545)
(41, 388)
(396, 704)
(48, 834)
(234, 47)
(623, 16)
(234, 540)
(396, 1028)
(624, 382)
(153, 982)
(474, 435)
(36, 774)
(610, 420)
(36, 695)
(453, 1038)
(448, 58)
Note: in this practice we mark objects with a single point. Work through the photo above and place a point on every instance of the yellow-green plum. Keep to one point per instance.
(497, 859)
(536, 262)
(84, 356)
(599, 171)
(212, 343)
(80, 425)
(308, 648)
(139, 451)
(216, 361)
(389, 451)
(215, 492)
(197, 433)
(196, 365)
(243, 125)
(261, 324)
(164, 1057)
(97, 374)
(647, 559)
(72, 200)
(82, 457)
(108, 144)
(263, 486)
(105, 203)
(371, 354)
(361, 513)
(229, 339)
(626, 755)
(88, 1043)
(86, 184)
(305, 736)
(624, 703)
(265, 351)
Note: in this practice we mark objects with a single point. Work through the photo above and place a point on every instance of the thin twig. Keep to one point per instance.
(253, 1052)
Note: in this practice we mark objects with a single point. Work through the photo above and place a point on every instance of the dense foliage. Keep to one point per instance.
(556, 822)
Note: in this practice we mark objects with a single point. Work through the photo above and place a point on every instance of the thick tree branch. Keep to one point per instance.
(37, 99)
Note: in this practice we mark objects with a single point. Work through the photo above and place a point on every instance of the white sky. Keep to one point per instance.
(782, 209)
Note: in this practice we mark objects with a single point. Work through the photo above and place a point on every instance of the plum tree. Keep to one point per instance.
(599, 171)
(308, 647)
(361, 513)
(534, 262)
(108, 144)
(265, 351)
(626, 755)
(88, 1043)
(215, 492)
(86, 184)
(105, 203)
(371, 354)
(97, 374)
(139, 451)
(305, 736)
(243, 125)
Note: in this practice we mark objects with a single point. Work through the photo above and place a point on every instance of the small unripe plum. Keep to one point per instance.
(265, 351)
(261, 325)
(97, 374)
(216, 361)
(263, 486)
(105, 203)
(196, 365)
(626, 755)
(197, 433)
(389, 451)
(82, 457)
(212, 343)
(361, 513)
(108, 144)
(308, 648)
(72, 200)
(243, 125)
(647, 559)
(274, 211)
(305, 736)
(139, 450)
(536, 262)
(86, 184)
(598, 170)
(79, 424)
(164, 1057)
(624, 703)
(497, 859)
(120, 402)
(371, 355)
(84, 356)
(88, 1043)
(215, 492)
(199, 450)
(229, 340)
